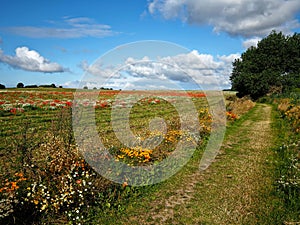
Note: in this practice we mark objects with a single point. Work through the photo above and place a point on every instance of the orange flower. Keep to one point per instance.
(14, 186)
(125, 184)
(19, 174)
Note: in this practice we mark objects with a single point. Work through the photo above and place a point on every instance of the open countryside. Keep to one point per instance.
(151, 132)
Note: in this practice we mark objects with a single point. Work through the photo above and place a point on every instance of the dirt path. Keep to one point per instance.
(231, 190)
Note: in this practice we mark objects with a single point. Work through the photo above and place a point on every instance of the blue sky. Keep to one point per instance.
(59, 41)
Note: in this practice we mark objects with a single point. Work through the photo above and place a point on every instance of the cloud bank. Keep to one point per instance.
(247, 18)
(251, 42)
(68, 28)
(187, 70)
(30, 60)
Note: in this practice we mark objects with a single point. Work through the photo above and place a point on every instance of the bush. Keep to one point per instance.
(2, 86)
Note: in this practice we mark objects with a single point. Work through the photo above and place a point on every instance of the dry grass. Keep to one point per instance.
(239, 106)
(284, 104)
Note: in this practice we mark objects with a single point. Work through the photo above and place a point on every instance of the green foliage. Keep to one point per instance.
(2, 86)
(271, 67)
(31, 86)
(48, 86)
(20, 85)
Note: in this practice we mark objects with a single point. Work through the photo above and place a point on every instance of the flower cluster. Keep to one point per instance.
(231, 116)
(8, 195)
(58, 182)
(205, 119)
(70, 194)
(173, 136)
(167, 143)
(137, 153)
(13, 185)
(291, 112)
(17, 102)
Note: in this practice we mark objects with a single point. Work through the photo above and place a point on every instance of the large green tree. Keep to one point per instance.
(273, 65)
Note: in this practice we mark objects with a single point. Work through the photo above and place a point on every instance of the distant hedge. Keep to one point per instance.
(41, 86)
(48, 86)
(31, 86)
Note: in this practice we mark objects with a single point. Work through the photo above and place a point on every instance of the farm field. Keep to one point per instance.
(46, 180)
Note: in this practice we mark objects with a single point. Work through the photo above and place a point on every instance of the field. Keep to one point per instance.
(42, 172)
(50, 162)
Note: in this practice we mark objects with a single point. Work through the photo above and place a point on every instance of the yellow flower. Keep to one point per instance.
(43, 207)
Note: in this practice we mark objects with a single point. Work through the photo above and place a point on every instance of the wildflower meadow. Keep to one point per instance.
(44, 176)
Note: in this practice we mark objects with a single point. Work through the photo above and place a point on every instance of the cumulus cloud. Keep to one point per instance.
(190, 69)
(30, 60)
(97, 69)
(68, 28)
(251, 42)
(246, 18)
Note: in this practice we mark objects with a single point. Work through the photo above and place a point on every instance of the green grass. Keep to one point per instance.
(239, 180)
(240, 186)
(285, 150)
(24, 135)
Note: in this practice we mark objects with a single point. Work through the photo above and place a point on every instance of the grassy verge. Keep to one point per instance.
(287, 171)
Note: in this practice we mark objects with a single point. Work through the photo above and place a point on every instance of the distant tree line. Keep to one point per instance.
(272, 66)
(95, 88)
(21, 85)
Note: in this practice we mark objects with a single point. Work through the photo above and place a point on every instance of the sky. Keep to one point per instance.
(134, 44)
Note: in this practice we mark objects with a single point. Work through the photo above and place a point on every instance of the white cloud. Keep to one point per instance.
(251, 42)
(71, 84)
(237, 17)
(190, 69)
(97, 69)
(30, 60)
(68, 28)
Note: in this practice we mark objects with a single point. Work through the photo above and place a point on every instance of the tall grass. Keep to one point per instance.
(287, 172)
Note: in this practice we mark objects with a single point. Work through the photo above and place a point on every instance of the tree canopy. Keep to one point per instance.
(272, 66)
(20, 85)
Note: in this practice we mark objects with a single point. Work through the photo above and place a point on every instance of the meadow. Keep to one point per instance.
(44, 176)
(46, 179)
